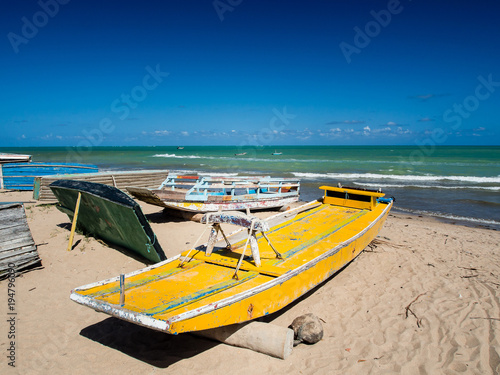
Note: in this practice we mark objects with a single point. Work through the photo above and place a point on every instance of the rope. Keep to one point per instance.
(235, 276)
(207, 225)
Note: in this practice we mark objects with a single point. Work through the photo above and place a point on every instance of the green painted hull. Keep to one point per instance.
(109, 214)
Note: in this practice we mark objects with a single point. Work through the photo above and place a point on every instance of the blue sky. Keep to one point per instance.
(232, 72)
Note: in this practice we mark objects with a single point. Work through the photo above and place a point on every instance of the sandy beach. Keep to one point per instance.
(423, 299)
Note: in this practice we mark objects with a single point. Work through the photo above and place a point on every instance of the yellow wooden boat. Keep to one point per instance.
(255, 271)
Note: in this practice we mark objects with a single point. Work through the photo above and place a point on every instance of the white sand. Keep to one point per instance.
(447, 274)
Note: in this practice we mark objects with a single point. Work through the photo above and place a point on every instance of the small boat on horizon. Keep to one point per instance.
(277, 153)
(180, 148)
(217, 284)
(211, 194)
(240, 154)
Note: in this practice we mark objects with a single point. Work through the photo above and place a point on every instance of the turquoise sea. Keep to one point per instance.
(458, 183)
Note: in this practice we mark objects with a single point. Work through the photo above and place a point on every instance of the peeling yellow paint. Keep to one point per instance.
(315, 244)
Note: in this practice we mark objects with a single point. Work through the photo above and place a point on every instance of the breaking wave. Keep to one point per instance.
(174, 156)
(374, 176)
(390, 186)
(450, 216)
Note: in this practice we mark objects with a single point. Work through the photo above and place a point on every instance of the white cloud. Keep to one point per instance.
(383, 130)
(400, 130)
(160, 132)
(345, 122)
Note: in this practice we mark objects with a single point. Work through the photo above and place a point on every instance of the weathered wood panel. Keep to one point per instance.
(144, 179)
(16, 243)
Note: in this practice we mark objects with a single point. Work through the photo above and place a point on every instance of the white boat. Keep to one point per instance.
(211, 194)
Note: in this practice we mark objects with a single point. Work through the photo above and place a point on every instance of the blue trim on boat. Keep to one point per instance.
(21, 176)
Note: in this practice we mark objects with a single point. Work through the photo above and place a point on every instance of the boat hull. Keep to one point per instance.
(311, 254)
(164, 199)
(21, 176)
(211, 194)
(108, 213)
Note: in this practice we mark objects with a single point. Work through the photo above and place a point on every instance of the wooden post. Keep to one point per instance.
(122, 289)
(75, 218)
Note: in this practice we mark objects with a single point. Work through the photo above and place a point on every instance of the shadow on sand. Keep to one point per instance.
(153, 347)
(161, 349)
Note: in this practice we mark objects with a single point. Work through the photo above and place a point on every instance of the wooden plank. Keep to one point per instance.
(14, 214)
(16, 243)
(19, 252)
(224, 260)
(121, 179)
(9, 234)
(21, 262)
(11, 226)
(200, 294)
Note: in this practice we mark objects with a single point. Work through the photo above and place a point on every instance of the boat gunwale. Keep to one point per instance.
(184, 205)
(211, 182)
(165, 325)
(89, 193)
(162, 263)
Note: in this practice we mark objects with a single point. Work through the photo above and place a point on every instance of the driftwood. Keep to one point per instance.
(409, 310)
(17, 248)
(378, 241)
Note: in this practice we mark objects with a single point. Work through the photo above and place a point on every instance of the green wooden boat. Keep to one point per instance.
(108, 213)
